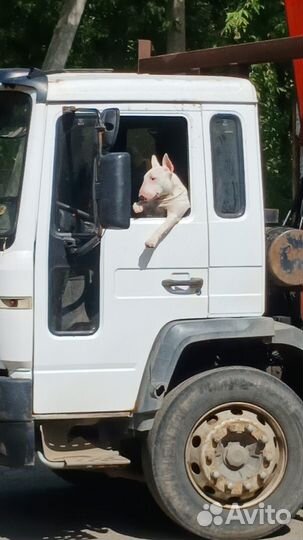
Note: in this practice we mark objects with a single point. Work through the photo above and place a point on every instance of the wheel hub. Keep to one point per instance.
(236, 454)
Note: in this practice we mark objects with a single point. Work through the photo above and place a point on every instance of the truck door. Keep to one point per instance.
(235, 210)
(97, 315)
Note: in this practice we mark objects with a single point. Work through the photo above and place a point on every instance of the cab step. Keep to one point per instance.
(77, 452)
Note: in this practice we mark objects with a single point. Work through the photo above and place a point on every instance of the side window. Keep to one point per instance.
(143, 136)
(227, 165)
(74, 169)
(73, 280)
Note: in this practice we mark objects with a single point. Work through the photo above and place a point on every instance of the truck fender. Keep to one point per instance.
(177, 335)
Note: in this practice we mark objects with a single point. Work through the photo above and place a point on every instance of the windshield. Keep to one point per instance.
(15, 110)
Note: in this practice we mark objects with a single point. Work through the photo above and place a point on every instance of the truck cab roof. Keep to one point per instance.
(95, 86)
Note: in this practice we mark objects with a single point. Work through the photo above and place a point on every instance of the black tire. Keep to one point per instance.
(164, 452)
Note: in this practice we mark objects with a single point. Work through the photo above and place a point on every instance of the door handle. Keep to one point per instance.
(174, 286)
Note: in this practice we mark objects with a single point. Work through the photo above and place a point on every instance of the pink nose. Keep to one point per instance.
(146, 194)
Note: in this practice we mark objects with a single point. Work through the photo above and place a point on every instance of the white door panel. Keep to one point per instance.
(181, 242)
(233, 291)
(236, 242)
(102, 372)
(236, 273)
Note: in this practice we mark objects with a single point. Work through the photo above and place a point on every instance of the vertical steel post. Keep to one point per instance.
(294, 15)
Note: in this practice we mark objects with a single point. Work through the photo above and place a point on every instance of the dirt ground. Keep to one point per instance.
(36, 505)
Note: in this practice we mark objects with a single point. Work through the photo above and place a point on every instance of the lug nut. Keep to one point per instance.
(250, 428)
(215, 475)
(247, 486)
(230, 486)
(264, 439)
(262, 475)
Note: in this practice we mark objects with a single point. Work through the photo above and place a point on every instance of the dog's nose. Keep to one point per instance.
(142, 198)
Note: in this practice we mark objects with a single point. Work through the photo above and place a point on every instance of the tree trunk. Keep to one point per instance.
(64, 33)
(176, 31)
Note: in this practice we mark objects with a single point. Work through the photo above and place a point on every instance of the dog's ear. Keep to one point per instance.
(166, 162)
(155, 163)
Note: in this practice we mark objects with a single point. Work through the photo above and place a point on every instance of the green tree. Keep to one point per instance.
(26, 28)
(254, 20)
(64, 34)
(107, 38)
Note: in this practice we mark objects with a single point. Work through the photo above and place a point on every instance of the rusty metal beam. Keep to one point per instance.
(274, 50)
(145, 47)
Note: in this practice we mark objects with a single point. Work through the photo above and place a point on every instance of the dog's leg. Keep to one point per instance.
(163, 230)
(137, 208)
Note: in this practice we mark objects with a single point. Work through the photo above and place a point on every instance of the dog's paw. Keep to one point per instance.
(151, 243)
(137, 208)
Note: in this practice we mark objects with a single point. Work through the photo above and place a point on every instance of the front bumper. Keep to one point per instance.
(17, 432)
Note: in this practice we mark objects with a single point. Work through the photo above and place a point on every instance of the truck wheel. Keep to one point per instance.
(223, 456)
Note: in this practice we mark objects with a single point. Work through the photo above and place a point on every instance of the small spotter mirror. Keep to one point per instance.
(110, 118)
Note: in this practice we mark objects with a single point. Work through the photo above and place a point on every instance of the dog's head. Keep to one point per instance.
(157, 182)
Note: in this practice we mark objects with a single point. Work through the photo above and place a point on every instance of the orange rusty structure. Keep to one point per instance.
(294, 15)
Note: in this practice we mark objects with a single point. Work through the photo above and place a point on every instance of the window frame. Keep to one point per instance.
(8, 238)
(57, 251)
(131, 113)
(240, 156)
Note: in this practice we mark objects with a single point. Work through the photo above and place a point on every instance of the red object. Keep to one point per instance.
(294, 15)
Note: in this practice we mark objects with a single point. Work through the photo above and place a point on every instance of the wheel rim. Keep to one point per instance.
(236, 453)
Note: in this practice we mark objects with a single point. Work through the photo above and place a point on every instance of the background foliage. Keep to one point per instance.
(108, 36)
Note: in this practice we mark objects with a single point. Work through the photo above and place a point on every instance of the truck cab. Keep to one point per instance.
(100, 336)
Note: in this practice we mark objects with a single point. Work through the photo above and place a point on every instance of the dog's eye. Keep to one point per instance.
(153, 178)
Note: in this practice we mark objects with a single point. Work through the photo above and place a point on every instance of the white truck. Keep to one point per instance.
(173, 363)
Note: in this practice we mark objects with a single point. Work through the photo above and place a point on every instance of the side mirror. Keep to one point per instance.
(113, 190)
(110, 118)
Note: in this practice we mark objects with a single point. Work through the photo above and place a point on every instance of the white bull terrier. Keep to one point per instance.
(162, 190)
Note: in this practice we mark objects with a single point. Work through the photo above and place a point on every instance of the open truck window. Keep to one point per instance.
(15, 112)
(143, 136)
